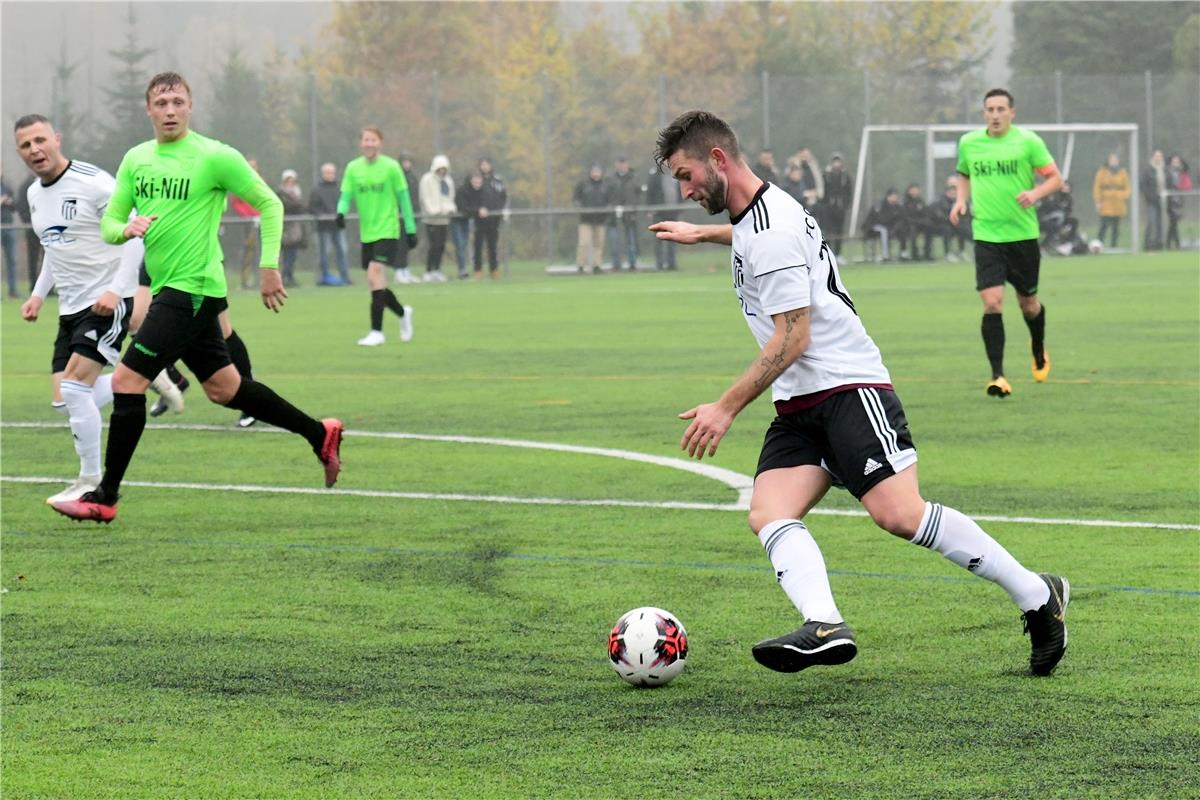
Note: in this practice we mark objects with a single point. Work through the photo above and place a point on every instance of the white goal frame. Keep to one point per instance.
(944, 148)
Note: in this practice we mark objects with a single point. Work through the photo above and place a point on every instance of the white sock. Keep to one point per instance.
(85, 425)
(800, 569)
(102, 390)
(957, 538)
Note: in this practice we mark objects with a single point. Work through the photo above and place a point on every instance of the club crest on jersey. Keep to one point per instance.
(68, 208)
(739, 277)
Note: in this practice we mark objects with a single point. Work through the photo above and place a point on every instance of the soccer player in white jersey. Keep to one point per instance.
(95, 282)
(839, 421)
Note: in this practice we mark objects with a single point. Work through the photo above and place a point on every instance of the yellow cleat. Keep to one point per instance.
(1040, 375)
(999, 388)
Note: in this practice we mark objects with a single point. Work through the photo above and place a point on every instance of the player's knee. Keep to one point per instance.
(760, 518)
(896, 521)
(219, 393)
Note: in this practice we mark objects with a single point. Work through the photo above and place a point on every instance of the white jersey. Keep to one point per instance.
(781, 263)
(65, 215)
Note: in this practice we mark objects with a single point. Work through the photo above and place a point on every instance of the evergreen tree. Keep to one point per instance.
(126, 95)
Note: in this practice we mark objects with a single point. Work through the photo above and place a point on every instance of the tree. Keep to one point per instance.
(126, 97)
(67, 121)
(238, 114)
(1090, 38)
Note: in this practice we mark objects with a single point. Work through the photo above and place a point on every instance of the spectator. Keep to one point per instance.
(811, 180)
(656, 194)
(493, 200)
(8, 236)
(1179, 179)
(883, 223)
(961, 232)
(293, 240)
(249, 235)
(591, 193)
(1111, 190)
(403, 249)
(460, 235)
(1060, 227)
(917, 225)
(323, 205)
(437, 207)
(33, 245)
(470, 200)
(793, 183)
(765, 166)
(839, 194)
(625, 192)
(1154, 183)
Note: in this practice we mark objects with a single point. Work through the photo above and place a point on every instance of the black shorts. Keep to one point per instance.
(1017, 263)
(91, 335)
(382, 251)
(143, 275)
(858, 436)
(180, 326)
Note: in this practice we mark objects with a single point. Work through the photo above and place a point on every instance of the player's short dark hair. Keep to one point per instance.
(167, 80)
(373, 130)
(695, 133)
(30, 119)
(1000, 93)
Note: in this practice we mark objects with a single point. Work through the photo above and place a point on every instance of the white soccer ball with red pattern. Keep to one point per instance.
(648, 646)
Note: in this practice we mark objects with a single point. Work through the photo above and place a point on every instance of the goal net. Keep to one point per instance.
(896, 156)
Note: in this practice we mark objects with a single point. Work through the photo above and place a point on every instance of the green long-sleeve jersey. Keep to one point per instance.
(183, 183)
(380, 191)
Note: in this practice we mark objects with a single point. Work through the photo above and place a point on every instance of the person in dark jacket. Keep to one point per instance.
(322, 203)
(656, 194)
(949, 231)
(883, 223)
(1155, 181)
(591, 193)
(492, 201)
(917, 226)
(33, 245)
(625, 191)
(839, 194)
(402, 249)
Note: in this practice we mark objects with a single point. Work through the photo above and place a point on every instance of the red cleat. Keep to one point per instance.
(330, 454)
(87, 507)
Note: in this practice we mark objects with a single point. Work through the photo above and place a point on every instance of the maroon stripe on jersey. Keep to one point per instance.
(804, 402)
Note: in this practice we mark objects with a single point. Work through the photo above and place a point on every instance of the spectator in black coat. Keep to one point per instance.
(493, 201)
(322, 203)
(960, 233)
(883, 223)
(918, 226)
(656, 194)
(592, 195)
(839, 194)
(626, 192)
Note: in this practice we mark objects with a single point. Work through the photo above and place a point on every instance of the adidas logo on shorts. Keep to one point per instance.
(871, 466)
(91, 335)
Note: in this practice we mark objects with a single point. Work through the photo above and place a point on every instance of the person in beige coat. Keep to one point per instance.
(437, 207)
(1111, 191)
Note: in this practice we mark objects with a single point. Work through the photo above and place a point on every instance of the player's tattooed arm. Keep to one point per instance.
(789, 343)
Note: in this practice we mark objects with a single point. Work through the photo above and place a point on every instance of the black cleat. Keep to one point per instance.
(812, 643)
(1047, 627)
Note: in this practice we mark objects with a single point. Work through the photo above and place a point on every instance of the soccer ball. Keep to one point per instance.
(648, 646)
(1095, 246)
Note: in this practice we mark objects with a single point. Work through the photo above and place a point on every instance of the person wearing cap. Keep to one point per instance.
(293, 229)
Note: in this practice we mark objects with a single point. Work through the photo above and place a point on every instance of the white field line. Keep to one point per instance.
(742, 483)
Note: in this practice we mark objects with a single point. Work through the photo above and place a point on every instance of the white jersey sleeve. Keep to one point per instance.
(778, 263)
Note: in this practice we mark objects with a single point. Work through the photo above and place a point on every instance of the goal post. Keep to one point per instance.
(941, 143)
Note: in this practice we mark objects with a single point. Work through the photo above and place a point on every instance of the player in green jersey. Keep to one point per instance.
(376, 185)
(178, 182)
(996, 169)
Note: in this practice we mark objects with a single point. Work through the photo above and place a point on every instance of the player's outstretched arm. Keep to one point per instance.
(690, 233)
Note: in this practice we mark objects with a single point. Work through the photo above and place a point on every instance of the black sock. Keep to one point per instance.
(239, 354)
(125, 428)
(176, 376)
(993, 342)
(1037, 332)
(378, 301)
(393, 303)
(258, 400)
